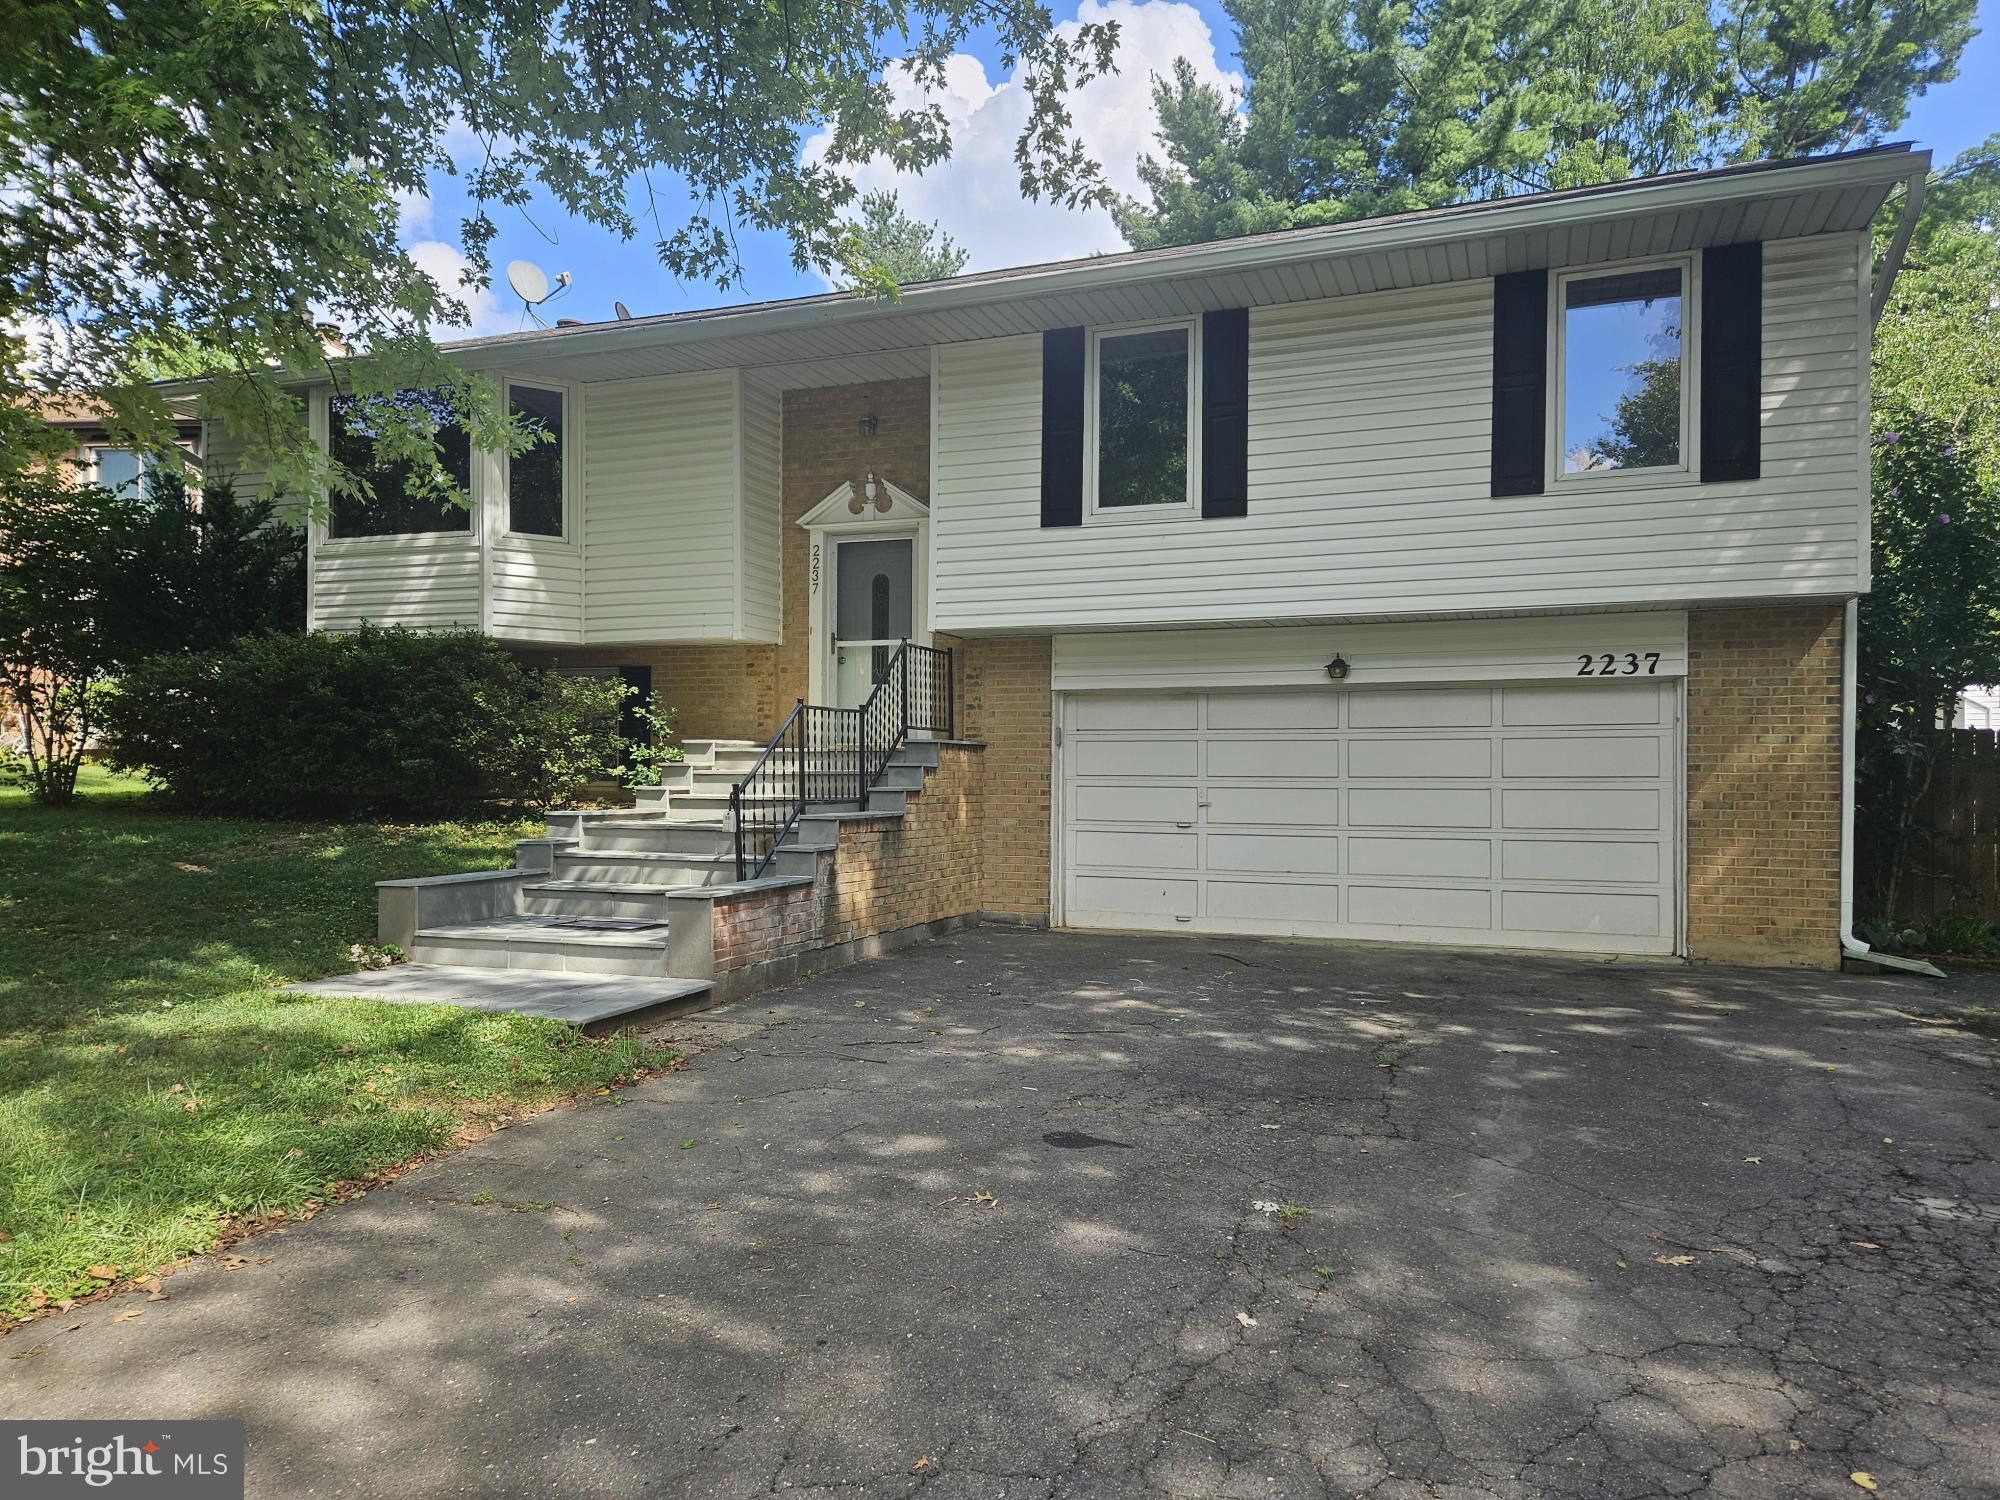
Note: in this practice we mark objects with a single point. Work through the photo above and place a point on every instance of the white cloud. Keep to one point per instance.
(975, 194)
(445, 264)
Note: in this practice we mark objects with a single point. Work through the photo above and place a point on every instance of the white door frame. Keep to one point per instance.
(894, 513)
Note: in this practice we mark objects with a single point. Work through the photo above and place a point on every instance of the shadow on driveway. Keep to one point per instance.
(1014, 1214)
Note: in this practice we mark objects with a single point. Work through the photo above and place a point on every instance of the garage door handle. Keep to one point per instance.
(1183, 825)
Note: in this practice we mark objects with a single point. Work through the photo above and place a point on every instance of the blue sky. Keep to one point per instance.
(973, 195)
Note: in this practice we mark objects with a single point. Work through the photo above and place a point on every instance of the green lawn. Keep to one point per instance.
(156, 1090)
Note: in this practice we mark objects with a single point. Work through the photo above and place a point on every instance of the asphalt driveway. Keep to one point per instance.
(1015, 1214)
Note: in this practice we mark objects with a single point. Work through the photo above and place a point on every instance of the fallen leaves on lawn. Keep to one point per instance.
(102, 1273)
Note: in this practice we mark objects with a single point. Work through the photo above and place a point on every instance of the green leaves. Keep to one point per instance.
(194, 185)
(1364, 107)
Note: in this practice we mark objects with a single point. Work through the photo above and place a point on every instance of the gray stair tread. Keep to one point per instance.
(648, 856)
(622, 931)
(596, 888)
(580, 999)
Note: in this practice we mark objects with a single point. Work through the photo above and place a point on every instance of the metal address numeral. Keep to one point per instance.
(1590, 664)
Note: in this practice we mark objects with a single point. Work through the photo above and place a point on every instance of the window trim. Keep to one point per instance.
(504, 521)
(1688, 470)
(1119, 515)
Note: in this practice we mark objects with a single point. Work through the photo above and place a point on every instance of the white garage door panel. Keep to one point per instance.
(1435, 859)
(1279, 710)
(1125, 756)
(1421, 708)
(1273, 854)
(1260, 759)
(1111, 896)
(1616, 861)
(1288, 806)
(1419, 807)
(1134, 849)
(1097, 802)
(1542, 815)
(1572, 756)
(1427, 906)
(1403, 759)
(1579, 912)
(1273, 908)
(1597, 702)
(1580, 807)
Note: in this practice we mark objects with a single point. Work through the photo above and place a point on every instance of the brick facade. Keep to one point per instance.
(1008, 705)
(1763, 779)
(883, 876)
(720, 692)
(823, 446)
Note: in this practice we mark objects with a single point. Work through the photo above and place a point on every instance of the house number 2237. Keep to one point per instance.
(1631, 664)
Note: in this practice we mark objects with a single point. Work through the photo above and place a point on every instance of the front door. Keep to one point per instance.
(874, 611)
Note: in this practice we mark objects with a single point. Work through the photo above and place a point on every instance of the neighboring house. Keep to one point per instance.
(1474, 576)
(1978, 708)
(95, 457)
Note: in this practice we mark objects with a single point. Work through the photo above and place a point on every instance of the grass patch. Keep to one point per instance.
(155, 1089)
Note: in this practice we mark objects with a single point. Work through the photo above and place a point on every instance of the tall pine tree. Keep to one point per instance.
(1361, 107)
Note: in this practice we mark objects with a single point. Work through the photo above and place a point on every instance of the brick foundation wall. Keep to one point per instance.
(1006, 697)
(1763, 779)
(722, 692)
(883, 876)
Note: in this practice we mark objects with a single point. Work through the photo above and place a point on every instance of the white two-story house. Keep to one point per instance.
(1479, 576)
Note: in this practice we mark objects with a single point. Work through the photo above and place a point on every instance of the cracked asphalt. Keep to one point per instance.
(1016, 1214)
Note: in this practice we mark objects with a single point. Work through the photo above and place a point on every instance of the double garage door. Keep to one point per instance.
(1543, 815)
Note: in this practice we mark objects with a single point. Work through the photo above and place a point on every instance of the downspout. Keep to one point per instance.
(1851, 947)
(1913, 207)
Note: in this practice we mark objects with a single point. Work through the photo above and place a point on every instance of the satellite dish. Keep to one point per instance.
(528, 281)
(624, 312)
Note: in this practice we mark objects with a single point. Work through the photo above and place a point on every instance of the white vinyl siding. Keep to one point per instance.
(425, 582)
(662, 509)
(535, 591)
(1537, 815)
(1542, 647)
(223, 454)
(763, 507)
(1370, 425)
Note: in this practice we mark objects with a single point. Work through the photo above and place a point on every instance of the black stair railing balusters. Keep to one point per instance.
(839, 753)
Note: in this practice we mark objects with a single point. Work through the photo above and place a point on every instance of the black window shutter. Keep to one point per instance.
(1520, 381)
(1062, 427)
(1225, 412)
(1732, 362)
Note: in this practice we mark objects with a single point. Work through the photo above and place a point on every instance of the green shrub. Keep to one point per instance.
(379, 722)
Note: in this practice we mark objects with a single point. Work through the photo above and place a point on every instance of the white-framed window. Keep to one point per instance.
(1141, 393)
(392, 507)
(538, 479)
(1622, 348)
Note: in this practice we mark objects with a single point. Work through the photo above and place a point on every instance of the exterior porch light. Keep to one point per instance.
(868, 427)
(1337, 669)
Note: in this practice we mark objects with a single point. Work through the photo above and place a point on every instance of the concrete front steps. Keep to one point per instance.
(592, 897)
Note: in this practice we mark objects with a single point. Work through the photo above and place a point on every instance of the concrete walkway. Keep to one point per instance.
(1020, 1215)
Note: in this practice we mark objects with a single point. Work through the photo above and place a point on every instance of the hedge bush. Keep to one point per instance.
(381, 722)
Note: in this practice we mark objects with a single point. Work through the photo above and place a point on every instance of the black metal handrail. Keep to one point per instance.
(836, 755)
